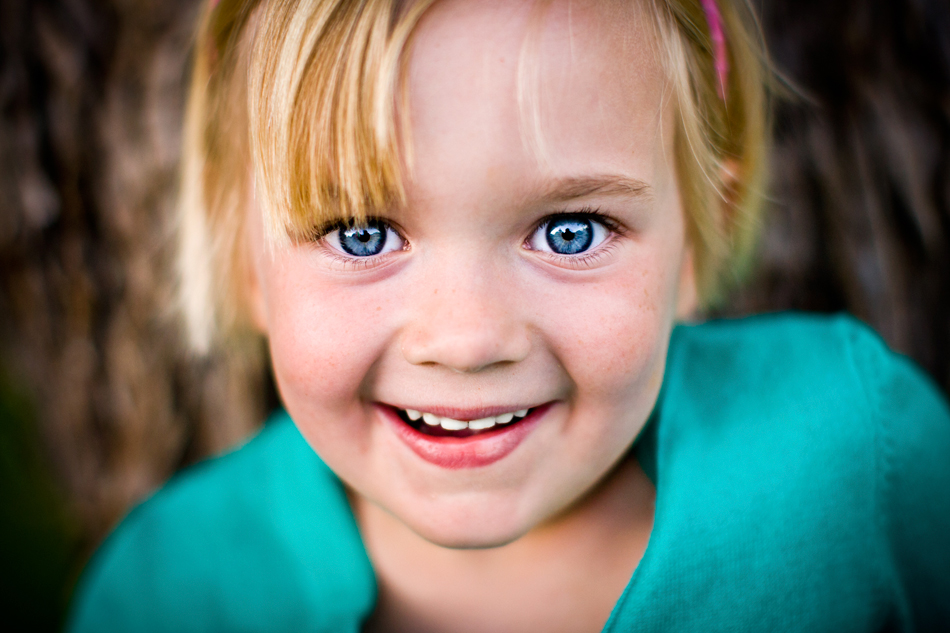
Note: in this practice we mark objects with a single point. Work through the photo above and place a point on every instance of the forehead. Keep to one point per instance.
(517, 94)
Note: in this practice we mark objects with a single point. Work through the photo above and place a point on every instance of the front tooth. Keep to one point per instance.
(413, 415)
(484, 423)
(453, 425)
(521, 414)
(505, 418)
(431, 420)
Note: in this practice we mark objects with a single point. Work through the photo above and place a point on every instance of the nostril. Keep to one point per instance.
(465, 351)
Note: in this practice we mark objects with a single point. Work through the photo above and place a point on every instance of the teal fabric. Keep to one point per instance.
(803, 484)
(261, 539)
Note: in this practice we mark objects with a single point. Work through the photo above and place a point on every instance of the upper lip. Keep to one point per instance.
(465, 413)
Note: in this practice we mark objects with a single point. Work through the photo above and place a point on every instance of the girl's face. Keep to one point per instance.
(542, 277)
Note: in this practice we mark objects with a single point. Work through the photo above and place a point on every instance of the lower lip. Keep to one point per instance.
(464, 452)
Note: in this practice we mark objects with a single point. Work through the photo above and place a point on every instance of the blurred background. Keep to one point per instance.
(100, 402)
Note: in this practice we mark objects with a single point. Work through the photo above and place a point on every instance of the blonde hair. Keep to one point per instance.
(305, 93)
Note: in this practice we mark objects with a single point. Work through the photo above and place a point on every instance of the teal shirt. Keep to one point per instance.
(803, 484)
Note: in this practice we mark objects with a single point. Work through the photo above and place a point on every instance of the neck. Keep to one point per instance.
(563, 575)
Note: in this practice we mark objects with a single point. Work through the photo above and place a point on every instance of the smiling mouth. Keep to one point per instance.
(439, 426)
(473, 438)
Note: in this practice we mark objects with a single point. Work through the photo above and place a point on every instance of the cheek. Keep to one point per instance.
(324, 339)
(612, 335)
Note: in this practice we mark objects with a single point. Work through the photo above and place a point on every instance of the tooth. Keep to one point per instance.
(505, 418)
(521, 414)
(430, 419)
(484, 423)
(453, 425)
(413, 414)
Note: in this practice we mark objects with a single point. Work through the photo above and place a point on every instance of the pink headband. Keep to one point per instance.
(714, 19)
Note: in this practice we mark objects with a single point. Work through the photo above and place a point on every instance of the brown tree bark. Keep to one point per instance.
(92, 94)
(860, 213)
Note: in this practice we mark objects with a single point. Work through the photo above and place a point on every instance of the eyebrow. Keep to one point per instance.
(570, 188)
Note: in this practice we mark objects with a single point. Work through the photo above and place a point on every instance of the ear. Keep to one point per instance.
(687, 302)
(256, 305)
(687, 297)
(729, 173)
(253, 269)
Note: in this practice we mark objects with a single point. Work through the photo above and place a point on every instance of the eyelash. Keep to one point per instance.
(588, 213)
(353, 264)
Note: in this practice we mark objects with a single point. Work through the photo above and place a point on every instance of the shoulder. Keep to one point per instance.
(260, 535)
(786, 346)
(814, 417)
(831, 382)
(790, 377)
(804, 365)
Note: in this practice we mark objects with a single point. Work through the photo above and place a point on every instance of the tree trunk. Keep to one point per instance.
(92, 98)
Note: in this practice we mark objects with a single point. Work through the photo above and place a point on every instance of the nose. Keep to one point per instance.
(465, 319)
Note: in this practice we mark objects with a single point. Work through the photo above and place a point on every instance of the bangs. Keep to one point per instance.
(328, 137)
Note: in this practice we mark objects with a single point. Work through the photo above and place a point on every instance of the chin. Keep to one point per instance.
(458, 526)
(481, 537)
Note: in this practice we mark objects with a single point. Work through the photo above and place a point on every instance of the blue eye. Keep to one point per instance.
(568, 235)
(375, 237)
(363, 241)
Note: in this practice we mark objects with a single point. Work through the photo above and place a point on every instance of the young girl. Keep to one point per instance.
(466, 229)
